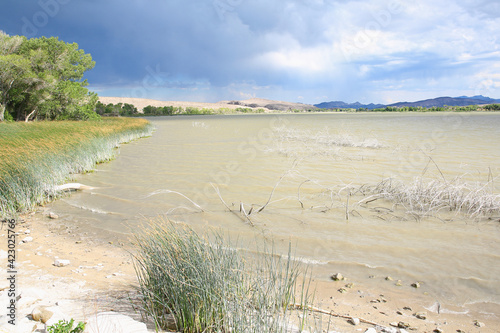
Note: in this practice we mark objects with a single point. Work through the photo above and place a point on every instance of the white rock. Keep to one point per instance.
(371, 330)
(61, 262)
(354, 321)
(53, 215)
(27, 231)
(27, 239)
(114, 322)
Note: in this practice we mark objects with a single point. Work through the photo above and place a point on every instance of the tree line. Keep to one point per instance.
(42, 78)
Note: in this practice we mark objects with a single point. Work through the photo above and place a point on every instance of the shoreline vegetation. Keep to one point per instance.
(36, 157)
(130, 110)
(192, 282)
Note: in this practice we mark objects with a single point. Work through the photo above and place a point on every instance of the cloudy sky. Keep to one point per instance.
(306, 51)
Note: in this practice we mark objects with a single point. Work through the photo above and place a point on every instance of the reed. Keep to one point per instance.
(36, 157)
(203, 284)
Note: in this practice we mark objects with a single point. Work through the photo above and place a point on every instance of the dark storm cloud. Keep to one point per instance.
(209, 49)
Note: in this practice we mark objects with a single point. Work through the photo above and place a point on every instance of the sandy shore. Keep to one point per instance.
(101, 278)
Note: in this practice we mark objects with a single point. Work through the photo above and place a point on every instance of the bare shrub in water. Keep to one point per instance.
(206, 285)
(295, 142)
(428, 197)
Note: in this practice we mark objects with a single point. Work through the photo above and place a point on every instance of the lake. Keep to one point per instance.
(365, 194)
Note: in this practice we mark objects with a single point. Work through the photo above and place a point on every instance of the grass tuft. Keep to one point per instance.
(202, 284)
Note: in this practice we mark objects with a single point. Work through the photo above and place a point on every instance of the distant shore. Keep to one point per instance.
(259, 105)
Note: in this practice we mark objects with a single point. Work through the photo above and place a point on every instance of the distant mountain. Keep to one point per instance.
(343, 105)
(451, 101)
(434, 102)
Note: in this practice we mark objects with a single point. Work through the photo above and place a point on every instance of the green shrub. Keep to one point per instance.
(63, 326)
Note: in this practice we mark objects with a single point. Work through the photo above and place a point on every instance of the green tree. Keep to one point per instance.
(43, 78)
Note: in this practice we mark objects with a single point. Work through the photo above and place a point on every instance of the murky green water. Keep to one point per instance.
(321, 169)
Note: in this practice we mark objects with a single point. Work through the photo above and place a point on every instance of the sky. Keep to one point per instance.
(307, 51)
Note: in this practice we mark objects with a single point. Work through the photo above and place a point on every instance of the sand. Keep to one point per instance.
(140, 103)
(101, 277)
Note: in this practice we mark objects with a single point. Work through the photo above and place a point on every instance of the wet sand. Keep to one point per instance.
(101, 277)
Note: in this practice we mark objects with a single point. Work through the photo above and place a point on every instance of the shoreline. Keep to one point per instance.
(101, 278)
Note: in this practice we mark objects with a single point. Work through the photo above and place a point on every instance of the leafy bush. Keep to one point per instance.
(63, 326)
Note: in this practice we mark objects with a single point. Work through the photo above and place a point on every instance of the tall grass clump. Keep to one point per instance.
(36, 157)
(203, 284)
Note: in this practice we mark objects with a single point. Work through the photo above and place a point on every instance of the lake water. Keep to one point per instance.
(319, 173)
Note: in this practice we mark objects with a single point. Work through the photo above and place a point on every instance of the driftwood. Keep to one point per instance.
(330, 313)
(73, 186)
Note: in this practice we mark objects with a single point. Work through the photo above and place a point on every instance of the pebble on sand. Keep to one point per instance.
(338, 277)
(61, 262)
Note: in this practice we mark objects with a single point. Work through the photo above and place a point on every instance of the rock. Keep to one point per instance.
(399, 283)
(27, 239)
(113, 322)
(478, 324)
(388, 278)
(40, 313)
(416, 285)
(437, 330)
(371, 330)
(421, 315)
(338, 277)
(27, 231)
(354, 321)
(400, 324)
(61, 262)
(349, 285)
(53, 216)
(407, 308)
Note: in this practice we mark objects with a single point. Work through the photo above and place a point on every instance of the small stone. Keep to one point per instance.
(407, 308)
(402, 324)
(388, 278)
(354, 321)
(338, 277)
(437, 330)
(40, 313)
(53, 216)
(399, 283)
(416, 285)
(371, 330)
(27, 239)
(349, 285)
(421, 315)
(78, 242)
(39, 254)
(61, 262)
(399, 313)
(478, 323)
(27, 231)
(342, 290)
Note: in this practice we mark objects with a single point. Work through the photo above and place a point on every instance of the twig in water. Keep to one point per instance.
(298, 192)
(178, 193)
(272, 192)
(232, 211)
